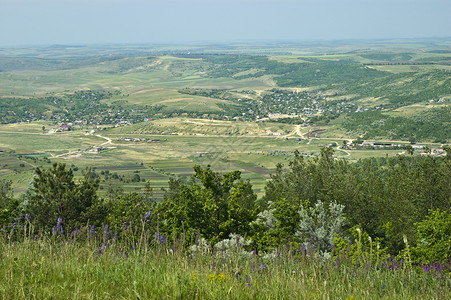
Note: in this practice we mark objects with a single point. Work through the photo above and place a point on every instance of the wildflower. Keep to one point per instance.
(211, 278)
(248, 281)
(27, 217)
(43, 259)
(393, 266)
(193, 276)
(221, 277)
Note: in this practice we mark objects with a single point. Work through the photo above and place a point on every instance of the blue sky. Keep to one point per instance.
(44, 22)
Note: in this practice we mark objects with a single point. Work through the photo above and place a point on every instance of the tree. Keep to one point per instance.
(55, 195)
(148, 192)
(212, 205)
(409, 149)
(9, 207)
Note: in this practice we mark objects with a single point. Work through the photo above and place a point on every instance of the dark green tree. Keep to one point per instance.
(55, 194)
(9, 207)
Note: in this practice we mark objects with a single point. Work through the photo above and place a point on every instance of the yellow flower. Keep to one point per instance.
(194, 277)
(43, 259)
(350, 298)
(212, 278)
(221, 277)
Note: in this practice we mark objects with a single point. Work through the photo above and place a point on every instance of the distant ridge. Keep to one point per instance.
(61, 46)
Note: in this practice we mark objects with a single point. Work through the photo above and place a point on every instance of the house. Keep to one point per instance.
(65, 127)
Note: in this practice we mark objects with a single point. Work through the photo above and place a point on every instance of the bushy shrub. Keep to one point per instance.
(434, 237)
(319, 226)
(128, 208)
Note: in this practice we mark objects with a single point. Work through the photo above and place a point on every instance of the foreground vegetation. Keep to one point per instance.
(325, 228)
(94, 264)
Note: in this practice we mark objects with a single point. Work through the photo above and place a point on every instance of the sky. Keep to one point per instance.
(47, 22)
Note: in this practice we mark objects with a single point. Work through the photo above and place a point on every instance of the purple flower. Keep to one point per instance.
(58, 224)
(393, 266)
(27, 217)
(248, 281)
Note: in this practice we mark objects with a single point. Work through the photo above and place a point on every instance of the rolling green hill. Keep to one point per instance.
(238, 106)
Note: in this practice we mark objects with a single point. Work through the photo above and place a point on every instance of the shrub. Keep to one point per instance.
(434, 237)
(318, 227)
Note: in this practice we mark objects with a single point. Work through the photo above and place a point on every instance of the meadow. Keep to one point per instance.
(92, 263)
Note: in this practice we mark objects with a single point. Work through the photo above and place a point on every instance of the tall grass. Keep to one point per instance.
(140, 264)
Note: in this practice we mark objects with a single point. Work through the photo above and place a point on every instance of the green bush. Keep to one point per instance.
(434, 237)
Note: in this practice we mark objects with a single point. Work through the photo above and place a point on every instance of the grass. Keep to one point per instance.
(100, 264)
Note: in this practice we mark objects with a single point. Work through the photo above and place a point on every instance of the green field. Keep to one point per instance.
(214, 121)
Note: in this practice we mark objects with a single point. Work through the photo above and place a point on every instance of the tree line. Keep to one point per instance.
(322, 202)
